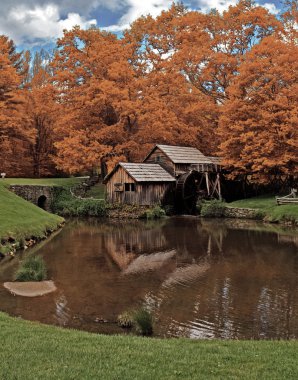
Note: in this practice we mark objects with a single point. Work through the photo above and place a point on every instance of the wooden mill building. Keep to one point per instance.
(185, 172)
(178, 160)
(142, 184)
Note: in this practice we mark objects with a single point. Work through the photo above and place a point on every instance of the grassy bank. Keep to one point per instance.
(20, 219)
(268, 207)
(64, 182)
(97, 191)
(30, 350)
(66, 204)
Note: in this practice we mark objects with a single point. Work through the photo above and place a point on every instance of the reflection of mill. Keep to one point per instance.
(200, 278)
(196, 280)
(153, 243)
(176, 255)
(126, 243)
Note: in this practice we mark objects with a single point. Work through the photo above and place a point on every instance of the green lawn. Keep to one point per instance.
(35, 351)
(65, 182)
(268, 206)
(20, 219)
(97, 191)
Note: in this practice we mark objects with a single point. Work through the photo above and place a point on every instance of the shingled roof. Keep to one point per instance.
(215, 160)
(183, 154)
(143, 172)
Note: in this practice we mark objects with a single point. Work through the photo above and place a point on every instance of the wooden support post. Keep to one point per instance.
(207, 183)
(219, 187)
(214, 187)
(209, 248)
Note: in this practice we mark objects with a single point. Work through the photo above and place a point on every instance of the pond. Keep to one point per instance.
(210, 279)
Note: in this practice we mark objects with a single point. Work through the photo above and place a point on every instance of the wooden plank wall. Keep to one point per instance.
(121, 176)
(182, 168)
(158, 157)
(151, 193)
(147, 193)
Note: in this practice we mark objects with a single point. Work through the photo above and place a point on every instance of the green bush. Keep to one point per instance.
(214, 209)
(199, 207)
(6, 249)
(67, 205)
(32, 268)
(155, 213)
(143, 322)
(260, 215)
(169, 210)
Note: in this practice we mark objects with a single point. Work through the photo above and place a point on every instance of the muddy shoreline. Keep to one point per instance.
(14, 245)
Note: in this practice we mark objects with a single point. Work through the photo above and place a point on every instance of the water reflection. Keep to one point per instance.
(62, 311)
(201, 279)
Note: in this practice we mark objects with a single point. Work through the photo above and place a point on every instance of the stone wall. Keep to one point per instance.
(41, 196)
(241, 213)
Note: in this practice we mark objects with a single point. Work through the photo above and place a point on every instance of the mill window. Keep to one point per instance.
(130, 187)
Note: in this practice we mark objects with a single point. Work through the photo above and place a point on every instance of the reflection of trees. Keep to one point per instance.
(288, 239)
(191, 241)
(216, 236)
(249, 292)
(185, 236)
(225, 301)
(201, 278)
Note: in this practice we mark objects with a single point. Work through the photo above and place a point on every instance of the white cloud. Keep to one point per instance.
(83, 7)
(40, 22)
(28, 21)
(220, 5)
(271, 8)
(138, 8)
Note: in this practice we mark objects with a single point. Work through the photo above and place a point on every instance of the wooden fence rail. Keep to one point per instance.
(288, 199)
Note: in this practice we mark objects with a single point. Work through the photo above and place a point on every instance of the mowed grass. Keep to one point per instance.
(97, 191)
(268, 206)
(21, 219)
(34, 351)
(65, 182)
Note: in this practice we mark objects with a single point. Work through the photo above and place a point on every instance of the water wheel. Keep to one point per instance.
(187, 191)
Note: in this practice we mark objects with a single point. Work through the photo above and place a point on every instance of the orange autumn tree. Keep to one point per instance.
(221, 41)
(205, 48)
(190, 59)
(95, 91)
(290, 20)
(41, 110)
(104, 99)
(109, 109)
(156, 43)
(258, 126)
(14, 133)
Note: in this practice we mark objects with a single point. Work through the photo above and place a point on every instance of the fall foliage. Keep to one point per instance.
(224, 83)
(258, 125)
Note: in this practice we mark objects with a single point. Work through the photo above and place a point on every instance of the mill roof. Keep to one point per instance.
(215, 160)
(142, 172)
(183, 154)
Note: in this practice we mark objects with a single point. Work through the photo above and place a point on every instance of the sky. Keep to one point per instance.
(37, 23)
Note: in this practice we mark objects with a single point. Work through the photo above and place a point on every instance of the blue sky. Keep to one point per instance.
(37, 23)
